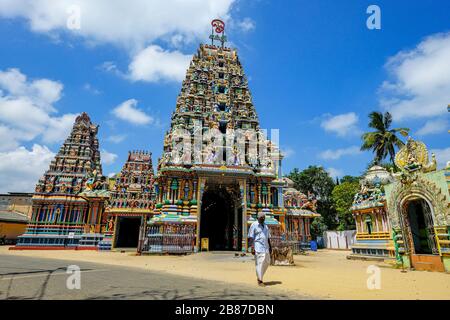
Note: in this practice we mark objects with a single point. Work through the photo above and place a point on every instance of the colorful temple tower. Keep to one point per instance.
(132, 200)
(68, 202)
(300, 210)
(217, 166)
(373, 229)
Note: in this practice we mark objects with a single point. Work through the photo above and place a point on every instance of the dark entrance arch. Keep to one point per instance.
(221, 218)
(421, 228)
(127, 233)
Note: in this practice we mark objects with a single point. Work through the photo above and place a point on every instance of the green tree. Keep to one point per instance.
(383, 140)
(343, 195)
(318, 226)
(349, 179)
(316, 180)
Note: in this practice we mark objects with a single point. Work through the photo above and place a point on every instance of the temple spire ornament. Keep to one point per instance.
(218, 32)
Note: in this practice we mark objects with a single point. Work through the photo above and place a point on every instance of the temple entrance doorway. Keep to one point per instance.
(127, 233)
(221, 217)
(421, 227)
(422, 238)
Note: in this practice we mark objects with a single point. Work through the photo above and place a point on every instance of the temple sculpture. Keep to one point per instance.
(69, 200)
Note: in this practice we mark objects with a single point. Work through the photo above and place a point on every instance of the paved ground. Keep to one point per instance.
(35, 278)
(325, 274)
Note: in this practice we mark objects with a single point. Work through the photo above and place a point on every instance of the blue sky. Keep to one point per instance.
(315, 72)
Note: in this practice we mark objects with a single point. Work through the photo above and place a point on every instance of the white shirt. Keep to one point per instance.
(260, 234)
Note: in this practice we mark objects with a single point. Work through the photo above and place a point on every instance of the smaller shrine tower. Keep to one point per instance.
(132, 200)
(373, 228)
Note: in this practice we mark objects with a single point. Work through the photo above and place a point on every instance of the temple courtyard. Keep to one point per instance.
(325, 274)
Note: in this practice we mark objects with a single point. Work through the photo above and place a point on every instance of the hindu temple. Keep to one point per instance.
(218, 166)
(217, 171)
(404, 216)
(418, 206)
(69, 200)
(373, 229)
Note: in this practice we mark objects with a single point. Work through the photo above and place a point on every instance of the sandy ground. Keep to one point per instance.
(323, 274)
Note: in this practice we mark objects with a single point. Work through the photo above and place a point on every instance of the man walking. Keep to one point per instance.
(259, 241)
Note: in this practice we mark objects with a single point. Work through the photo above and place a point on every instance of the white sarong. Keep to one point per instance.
(262, 261)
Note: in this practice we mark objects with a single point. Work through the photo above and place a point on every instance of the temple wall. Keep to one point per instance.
(342, 240)
(12, 230)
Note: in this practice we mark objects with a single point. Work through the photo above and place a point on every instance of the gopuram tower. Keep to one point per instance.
(218, 167)
(68, 202)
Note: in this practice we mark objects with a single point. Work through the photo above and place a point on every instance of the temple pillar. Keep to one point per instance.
(375, 215)
(280, 198)
(167, 193)
(114, 232)
(243, 191)
(200, 190)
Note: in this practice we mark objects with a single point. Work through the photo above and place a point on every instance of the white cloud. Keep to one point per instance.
(27, 114)
(21, 168)
(334, 173)
(433, 127)
(128, 111)
(342, 124)
(154, 64)
(116, 138)
(108, 157)
(42, 92)
(58, 128)
(287, 152)
(8, 140)
(89, 88)
(26, 110)
(132, 25)
(247, 25)
(420, 80)
(338, 153)
(136, 27)
(442, 156)
(110, 66)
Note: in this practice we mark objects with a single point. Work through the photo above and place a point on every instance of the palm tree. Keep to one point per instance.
(383, 140)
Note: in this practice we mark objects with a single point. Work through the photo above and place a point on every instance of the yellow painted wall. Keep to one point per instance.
(12, 230)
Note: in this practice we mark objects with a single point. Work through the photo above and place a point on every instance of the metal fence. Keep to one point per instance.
(176, 239)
